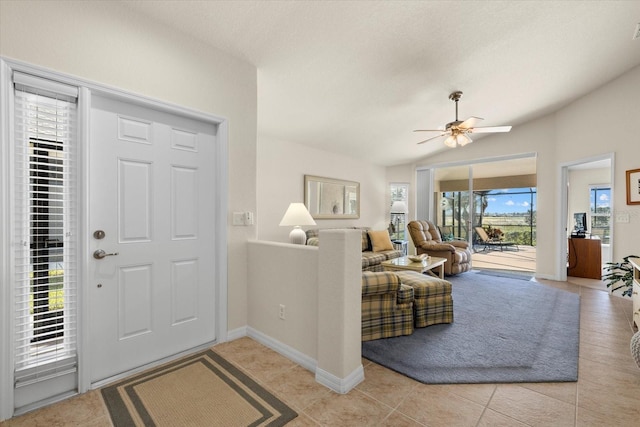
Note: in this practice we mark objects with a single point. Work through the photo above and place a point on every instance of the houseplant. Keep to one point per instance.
(623, 272)
(620, 272)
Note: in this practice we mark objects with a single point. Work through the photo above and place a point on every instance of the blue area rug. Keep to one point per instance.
(505, 330)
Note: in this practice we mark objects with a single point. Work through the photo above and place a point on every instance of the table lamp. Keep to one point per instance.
(398, 207)
(297, 215)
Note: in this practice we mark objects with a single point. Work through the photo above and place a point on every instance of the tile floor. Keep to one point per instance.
(607, 392)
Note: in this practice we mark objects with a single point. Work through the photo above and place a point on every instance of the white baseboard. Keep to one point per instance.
(340, 385)
(237, 333)
(290, 353)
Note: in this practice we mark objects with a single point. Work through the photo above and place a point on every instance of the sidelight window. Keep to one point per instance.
(44, 229)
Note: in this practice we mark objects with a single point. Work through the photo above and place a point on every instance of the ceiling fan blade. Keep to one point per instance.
(433, 137)
(469, 123)
(429, 130)
(490, 129)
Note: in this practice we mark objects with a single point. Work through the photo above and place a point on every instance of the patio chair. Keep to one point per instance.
(489, 242)
(447, 235)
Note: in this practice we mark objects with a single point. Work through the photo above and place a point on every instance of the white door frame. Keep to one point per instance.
(86, 88)
(562, 210)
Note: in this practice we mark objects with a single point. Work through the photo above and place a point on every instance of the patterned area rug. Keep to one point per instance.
(504, 330)
(199, 390)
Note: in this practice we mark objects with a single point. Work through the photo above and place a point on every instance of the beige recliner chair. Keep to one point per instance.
(426, 238)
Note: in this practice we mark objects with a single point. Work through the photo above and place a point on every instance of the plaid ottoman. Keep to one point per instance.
(432, 303)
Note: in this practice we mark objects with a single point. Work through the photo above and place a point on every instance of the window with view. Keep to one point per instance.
(599, 201)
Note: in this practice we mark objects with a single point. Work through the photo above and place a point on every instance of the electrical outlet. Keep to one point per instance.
(281, 312)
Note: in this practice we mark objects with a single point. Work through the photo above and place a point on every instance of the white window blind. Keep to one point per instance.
(45, 229)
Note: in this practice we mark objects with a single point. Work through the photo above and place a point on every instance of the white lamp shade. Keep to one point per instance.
(398, 207)
(297, 214)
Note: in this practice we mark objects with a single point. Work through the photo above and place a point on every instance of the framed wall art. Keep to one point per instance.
(329, 198)
(633, 187)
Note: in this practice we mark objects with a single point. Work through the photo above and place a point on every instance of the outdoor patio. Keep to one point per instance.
(510, 259)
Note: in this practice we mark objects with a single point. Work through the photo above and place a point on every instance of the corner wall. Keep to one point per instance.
(320, 289)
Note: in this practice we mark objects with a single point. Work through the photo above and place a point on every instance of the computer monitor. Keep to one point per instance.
(580, 219)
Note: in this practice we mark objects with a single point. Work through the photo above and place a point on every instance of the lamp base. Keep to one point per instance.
(298, 236)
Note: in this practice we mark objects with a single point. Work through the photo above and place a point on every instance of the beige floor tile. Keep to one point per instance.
(353, 409)
(434, 407)
(478, 393)
(605, 340)
(605, 373)
(494, 419)
(613, 402)
(567, 392)
(259, 362)
(385, 385)
(302, 420)
(397, 419)
(298, 387)
(531, 407)
(618, 356)
(588, 418)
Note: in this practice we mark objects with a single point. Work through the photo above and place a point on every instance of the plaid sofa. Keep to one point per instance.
(371, 261)
(387, 306)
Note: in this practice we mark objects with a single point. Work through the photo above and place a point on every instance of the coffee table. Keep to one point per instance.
(425, 266)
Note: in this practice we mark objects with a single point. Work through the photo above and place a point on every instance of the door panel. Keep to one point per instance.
(151, 175)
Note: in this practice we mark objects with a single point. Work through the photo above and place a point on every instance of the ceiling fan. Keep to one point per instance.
(457, 131)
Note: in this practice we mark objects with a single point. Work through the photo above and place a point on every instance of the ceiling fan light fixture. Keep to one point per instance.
(458, 131)
(463, 140)
(450, 141)
(457, 139)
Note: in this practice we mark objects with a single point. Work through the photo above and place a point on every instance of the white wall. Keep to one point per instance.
(106, 43)
(594, 125)
(281, 169)
(282, 273)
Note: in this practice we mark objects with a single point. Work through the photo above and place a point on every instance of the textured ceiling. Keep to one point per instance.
(356, 77)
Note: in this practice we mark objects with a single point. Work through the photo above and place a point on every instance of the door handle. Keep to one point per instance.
(99, 254)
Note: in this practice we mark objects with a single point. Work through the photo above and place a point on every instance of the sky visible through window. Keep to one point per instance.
(509, 200)
(600, 199)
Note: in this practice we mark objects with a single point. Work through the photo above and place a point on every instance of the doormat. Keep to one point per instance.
(200, 390)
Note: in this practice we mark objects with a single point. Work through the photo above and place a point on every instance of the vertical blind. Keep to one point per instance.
(45, 229)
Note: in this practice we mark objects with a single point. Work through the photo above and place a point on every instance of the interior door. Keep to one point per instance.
(151, 215)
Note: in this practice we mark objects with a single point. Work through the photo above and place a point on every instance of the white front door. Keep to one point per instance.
(151, 210)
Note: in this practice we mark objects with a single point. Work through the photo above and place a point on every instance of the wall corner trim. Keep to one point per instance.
(340, 385)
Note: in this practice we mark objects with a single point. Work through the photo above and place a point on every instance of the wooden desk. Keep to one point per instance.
(585, 258)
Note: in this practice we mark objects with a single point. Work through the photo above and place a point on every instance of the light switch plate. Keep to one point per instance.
(622, 217)
(238, 218)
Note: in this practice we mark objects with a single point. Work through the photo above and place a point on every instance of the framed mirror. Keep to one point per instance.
(328, 198)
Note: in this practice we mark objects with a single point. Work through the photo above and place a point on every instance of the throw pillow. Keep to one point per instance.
(380, 240)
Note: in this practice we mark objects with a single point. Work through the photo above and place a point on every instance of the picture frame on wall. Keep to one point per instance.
(633, 187)
(330, 198)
